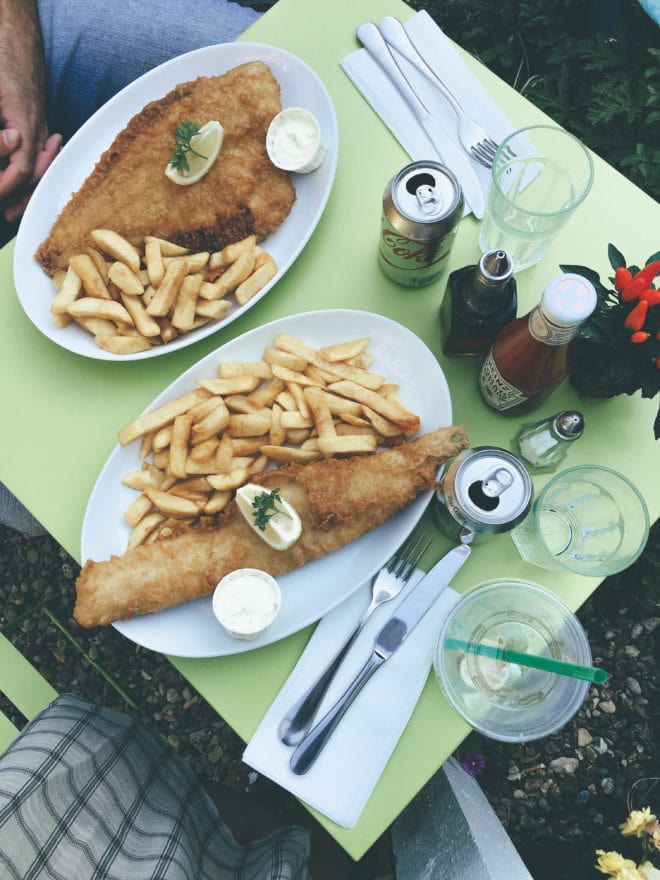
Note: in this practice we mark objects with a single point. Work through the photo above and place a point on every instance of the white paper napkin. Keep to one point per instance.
(344, 775)
(443, 57)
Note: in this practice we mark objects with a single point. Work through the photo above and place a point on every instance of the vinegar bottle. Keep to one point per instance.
(529, 357)
(478, 302)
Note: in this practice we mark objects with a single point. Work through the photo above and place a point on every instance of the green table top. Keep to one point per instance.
(62, 412)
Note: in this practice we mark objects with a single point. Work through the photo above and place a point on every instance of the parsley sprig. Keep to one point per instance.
(265, 506)
(185, 132)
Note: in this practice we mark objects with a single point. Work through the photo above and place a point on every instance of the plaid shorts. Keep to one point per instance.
(91, 794)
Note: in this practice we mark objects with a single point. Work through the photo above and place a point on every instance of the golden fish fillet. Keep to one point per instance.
(243, 193)
(338, 500)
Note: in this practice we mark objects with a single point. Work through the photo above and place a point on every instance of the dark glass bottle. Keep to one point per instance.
(529, 358)
(479, 300)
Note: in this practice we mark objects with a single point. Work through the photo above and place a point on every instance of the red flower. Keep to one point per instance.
(639, 336)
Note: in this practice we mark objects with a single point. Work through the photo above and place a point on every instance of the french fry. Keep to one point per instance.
(68, 292)
(144, 528)
(142, 320)
(141, 506)
(237, 272)
(348, 445)
(93, 307)
(217, 502)
(99, 262)
(153, 258)
(125, 279)
(251, 286)
(232, 252)
(172, 505)
(234, 385)
(285, 359)
(167, 290)
(214, 310)
(344, 350)
(297, 378)
(231, 480)
(116, 246)
(248, 425)
(155, 419)
(321, 414)
(179, 445)
(184, 309)
(289, 454)
(90, 277)
(343, 371)
(391, 410)
(167, 248)
(141, 480)
(257, 368)
(214, 422)
(123, 344)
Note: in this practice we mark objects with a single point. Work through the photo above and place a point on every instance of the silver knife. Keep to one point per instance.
(373, 41)
(399, 625)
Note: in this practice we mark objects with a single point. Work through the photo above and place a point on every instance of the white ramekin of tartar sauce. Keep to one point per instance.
(246, 602)
(293, 141)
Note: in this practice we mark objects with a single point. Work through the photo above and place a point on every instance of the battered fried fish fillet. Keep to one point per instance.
(338, 500)
(243, 193)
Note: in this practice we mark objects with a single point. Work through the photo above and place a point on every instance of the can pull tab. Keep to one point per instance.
(485, 493)
(498, 482)
(427, 199)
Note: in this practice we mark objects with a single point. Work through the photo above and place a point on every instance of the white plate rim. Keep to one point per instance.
(317, 328)
(35, 289)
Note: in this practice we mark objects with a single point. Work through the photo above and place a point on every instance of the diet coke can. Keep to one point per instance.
(422, 206)
(484, 491)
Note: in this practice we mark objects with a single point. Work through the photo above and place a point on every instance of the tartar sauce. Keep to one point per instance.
(246, 602)
(293, 141)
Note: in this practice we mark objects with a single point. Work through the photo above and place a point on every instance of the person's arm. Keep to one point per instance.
(25, 148)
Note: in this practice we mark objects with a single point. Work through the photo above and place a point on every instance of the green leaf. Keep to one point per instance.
(617, 260)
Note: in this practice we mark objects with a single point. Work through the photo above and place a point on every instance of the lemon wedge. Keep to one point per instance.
(206, 146)
(282, 529)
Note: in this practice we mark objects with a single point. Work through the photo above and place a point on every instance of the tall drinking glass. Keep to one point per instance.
(540, 175)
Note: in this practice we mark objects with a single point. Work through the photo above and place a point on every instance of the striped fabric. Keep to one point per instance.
(91, 794)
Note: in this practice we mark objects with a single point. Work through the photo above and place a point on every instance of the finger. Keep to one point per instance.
(9, 141)
(50, 149)
(15, 212)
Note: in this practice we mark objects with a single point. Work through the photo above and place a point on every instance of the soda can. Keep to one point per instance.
(422, 206)
(484, 491)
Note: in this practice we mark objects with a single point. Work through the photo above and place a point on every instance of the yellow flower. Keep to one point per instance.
(636, 822)
(648, 872)
(629, 874)
(613, 863)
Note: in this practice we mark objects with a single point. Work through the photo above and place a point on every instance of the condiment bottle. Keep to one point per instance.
(530, 356)
(542, 445)
(478, 302)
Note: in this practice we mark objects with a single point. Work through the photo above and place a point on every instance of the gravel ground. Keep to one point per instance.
(559, 798)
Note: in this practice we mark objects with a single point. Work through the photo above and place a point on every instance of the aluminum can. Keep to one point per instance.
(422, 206)
(484, 491)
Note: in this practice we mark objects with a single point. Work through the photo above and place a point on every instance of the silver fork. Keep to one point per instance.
(387, 584)
(475, 140)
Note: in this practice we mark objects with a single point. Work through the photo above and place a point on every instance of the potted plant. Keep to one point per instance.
(617, 350)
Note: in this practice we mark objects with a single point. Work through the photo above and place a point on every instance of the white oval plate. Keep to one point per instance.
(191, 630)
(300, 87)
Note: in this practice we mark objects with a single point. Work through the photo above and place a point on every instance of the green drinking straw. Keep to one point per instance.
(548, 664)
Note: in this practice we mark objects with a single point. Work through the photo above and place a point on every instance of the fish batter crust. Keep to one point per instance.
(242, 194)
(338, 500)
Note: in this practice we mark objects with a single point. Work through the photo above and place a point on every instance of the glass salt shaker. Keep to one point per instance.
(542, 445)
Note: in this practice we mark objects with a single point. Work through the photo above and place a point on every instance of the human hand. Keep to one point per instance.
(13, 180)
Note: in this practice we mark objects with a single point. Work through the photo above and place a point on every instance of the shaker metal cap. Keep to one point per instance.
(569, 424)
(496, 266)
